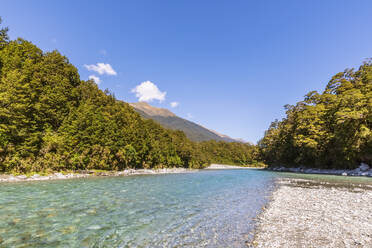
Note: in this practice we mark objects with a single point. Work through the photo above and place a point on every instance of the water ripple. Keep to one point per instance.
(205, 209)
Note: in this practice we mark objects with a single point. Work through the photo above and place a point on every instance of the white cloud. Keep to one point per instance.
(101, 68)
(96, 79)
(174, 104)
(148, 91)
(189, 116)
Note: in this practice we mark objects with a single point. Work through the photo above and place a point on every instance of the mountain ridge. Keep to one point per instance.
(165, 117)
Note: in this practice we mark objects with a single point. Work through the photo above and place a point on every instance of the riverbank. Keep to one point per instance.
(362, 170)
(227, 167)
(87, 173)
(90, 173)
(307, 213)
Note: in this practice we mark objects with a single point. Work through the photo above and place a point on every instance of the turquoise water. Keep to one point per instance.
(202, 209)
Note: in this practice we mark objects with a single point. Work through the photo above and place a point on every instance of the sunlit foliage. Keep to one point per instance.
(328, 130)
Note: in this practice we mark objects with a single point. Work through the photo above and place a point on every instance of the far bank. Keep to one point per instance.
(362, 170)
(104, 173)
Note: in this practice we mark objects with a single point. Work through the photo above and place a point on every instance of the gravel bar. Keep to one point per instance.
(305, 213)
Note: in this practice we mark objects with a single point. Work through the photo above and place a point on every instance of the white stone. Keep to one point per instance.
(12, 178)
(364, 167)
(59, 175)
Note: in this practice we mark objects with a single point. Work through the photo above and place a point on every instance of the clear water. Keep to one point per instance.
(203, 209)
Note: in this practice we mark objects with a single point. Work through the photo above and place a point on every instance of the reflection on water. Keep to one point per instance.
(204, 209)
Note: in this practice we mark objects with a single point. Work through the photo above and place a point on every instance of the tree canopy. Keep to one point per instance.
(328, 130)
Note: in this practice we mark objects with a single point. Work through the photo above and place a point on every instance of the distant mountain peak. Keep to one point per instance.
(151, 110)
(168, 119)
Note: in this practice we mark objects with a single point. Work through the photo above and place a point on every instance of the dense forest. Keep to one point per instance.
(328, 130)
(51, 120)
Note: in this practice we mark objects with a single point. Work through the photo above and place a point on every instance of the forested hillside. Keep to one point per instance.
(51, 120)
(328, 130)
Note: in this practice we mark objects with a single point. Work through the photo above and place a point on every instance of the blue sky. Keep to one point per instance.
(231, 65)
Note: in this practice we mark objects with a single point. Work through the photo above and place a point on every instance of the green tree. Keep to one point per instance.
(4, 38)
(328, 130)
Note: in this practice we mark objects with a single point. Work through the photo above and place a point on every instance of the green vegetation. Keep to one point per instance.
(328, 130)
(51, 120)
(233, 153)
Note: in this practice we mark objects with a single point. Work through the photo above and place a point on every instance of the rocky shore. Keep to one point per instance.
(87, 173)
(362, 170)
(306, 213)
(225, 166)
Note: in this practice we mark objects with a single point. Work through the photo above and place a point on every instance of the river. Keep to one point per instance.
(200, 209)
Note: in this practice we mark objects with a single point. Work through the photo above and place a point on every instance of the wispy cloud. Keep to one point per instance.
(174, 104)
(101, 68)
(96, 79)
(148, 91)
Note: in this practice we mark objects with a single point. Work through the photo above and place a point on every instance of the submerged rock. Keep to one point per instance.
(94, 227)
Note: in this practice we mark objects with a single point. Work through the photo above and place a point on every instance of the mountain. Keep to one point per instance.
(168, 119)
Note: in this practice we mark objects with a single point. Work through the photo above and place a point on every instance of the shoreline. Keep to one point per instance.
(8, 178)
(229, 167)
(308, 213)
(362, 171)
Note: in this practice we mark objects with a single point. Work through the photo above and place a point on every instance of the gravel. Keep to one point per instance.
(226, 166)
(303, 213)
(81, 174)
(364, 170)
